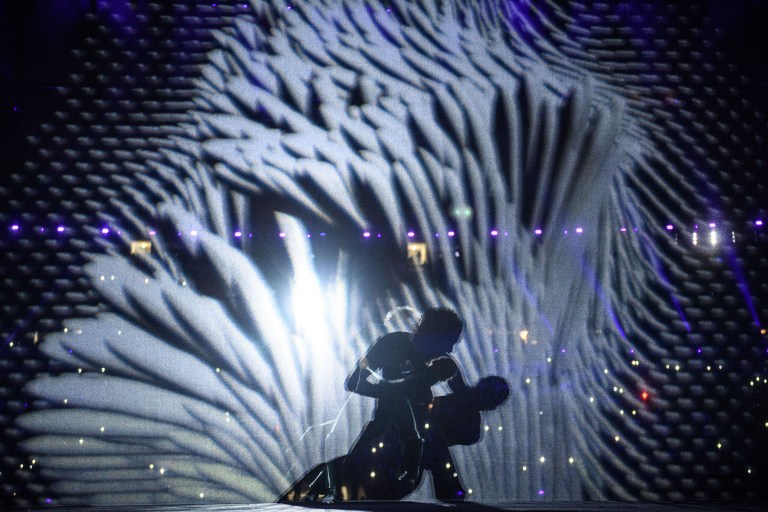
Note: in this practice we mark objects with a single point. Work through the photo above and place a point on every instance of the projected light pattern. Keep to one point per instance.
(199, 403)
(417, 116)
(215, 370)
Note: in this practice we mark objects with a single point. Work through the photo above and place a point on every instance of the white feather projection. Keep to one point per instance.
(215, 373)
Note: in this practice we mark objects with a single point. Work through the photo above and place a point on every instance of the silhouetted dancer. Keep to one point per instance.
(398, 370)
(455, 419)
(396, 373)
(403, 407)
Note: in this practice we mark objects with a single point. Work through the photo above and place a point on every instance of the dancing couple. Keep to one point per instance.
(411, 431)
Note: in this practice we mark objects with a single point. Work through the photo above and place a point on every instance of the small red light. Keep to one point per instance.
(645, 395)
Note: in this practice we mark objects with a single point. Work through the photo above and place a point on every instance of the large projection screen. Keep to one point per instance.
(212, 210)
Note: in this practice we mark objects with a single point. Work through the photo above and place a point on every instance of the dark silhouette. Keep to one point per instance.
(403, 388)
(394, 371)
(400, 417)
(453, 419)
(410, 431)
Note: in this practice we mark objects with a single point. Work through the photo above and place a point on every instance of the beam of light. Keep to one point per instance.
(310, 304)
(742, 284)
(668, 285)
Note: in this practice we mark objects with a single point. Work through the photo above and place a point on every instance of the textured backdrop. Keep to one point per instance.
(588, 179)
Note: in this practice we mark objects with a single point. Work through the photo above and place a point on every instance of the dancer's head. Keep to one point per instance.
(402, 318)
(438, 331)
(490, 392)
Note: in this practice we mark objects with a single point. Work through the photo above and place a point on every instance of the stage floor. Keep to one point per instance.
(409, 506)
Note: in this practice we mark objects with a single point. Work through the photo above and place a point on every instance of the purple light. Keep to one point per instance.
(193, 232)
(494, 233)
(579, 230)
(238, 234)
(437, 235)
(623, 230)
(60, 229)
(411, 234)
(309, 235)
(282, 234)
(15, 227)
(48, 500)
(537, 231)
(698, 351)
(42, 230)
(366, 234)
(451, 233)
(712, 224)
(378, 235)
(104, 231)
(758, 222)
(670, 227)
(541, 492)
(322, 234)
